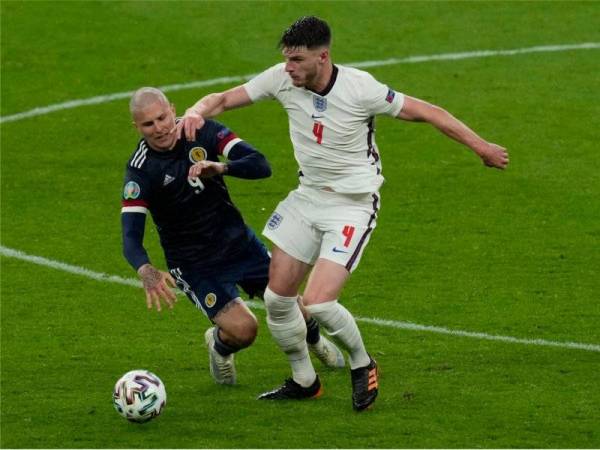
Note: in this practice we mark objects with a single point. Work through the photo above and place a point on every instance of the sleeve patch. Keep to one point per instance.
(390, 96)
(131, 190)
(221, 134)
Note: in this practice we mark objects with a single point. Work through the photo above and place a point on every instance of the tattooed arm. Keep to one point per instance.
(156, 283)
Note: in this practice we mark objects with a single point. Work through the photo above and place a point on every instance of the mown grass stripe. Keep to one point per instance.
(99, 276)
(43, 110)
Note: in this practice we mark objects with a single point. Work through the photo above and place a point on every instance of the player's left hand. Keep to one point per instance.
(206, 169)
(493, 155)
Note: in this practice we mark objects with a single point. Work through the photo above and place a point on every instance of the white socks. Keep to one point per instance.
(342, 327)
(288, 328)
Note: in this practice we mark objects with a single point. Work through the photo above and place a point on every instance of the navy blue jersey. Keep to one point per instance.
(198, 224)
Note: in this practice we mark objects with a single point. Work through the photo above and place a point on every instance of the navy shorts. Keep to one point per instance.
(210, 290)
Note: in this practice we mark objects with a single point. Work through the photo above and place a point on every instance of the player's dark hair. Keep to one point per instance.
(307, 31)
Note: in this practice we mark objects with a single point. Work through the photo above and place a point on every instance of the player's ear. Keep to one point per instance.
(173, 109)
(324, 55)
(134, 120)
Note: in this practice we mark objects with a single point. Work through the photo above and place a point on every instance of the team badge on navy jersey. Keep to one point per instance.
(197, 154)
(320, 103)
(210, 300)
(131, 191)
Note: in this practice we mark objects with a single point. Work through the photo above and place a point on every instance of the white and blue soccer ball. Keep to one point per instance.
(139, 396)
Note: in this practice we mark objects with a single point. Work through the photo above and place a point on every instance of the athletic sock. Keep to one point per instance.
(342, 327)
(221, 347)
(288, 328)
(312, 331)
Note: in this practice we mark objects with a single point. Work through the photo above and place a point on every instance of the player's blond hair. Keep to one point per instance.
(146, 96)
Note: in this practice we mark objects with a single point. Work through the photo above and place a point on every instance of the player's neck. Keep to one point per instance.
(322, 81)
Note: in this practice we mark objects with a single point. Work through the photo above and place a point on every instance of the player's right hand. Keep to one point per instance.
(493, 155)
(156, 284)
(189, 124)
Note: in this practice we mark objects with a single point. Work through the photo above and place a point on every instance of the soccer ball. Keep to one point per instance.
(139, 396)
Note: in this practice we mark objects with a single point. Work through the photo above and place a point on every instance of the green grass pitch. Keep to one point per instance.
(457, 245)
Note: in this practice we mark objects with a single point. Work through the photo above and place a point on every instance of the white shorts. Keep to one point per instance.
(313, 223)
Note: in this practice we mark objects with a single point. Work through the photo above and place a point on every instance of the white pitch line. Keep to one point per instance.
(99, 276)
(42, 110)
(476, 335)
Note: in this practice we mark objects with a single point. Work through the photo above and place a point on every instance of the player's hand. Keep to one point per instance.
(493, 155)
(189, 124)
(206, 169)
(156, 284)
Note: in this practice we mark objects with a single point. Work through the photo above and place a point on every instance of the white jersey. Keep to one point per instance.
(332, 133)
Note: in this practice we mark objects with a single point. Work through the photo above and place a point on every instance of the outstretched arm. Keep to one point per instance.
(156, 283)
(210, 106)
(416, 110)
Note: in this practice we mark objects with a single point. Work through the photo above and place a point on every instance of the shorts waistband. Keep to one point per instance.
(328, 193)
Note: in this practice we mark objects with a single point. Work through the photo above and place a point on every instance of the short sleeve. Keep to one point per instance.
(377, 98)
(136, 192)
(265, 84)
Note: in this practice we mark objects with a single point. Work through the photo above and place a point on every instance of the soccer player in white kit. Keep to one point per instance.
(325, 224)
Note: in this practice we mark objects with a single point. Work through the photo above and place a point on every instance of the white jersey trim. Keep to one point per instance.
(140, 156)
(134, 209)
(400, 104)
(229, 146)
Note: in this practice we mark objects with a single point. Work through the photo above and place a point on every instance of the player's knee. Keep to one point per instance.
(244, 331)
(280, 284)
(248, 332)
(285, 273)
(309, 299)
(323, 293)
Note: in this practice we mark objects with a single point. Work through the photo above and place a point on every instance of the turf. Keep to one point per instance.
(512, 253)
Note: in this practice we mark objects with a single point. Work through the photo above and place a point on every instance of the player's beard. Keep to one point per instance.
(312, 77)
(303, 77)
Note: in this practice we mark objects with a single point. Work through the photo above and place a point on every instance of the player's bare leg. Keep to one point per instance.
(236, 328)
(288, 327)
(320, 298)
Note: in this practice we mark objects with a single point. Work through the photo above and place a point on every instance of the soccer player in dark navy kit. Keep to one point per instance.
(208, 248)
